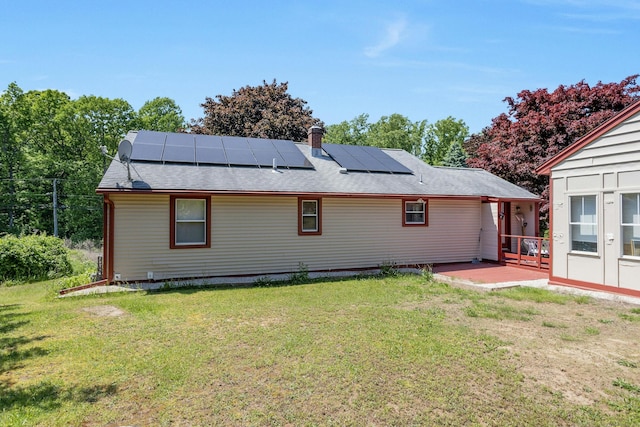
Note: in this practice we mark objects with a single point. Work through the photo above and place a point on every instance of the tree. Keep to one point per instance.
(14, 120)
(397, 131)
(353, 132)
(441, 136)
(541, 123)
(162, 115)
(266, 111)
(455, 157)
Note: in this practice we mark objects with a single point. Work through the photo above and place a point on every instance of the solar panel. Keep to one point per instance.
(147, 152)
(265, 157)
(240, 157)
(235, 143)
(151, 137)
(173, 153)
(364, 159)
(212, 156)
(180, 139)
(154, 146)
(210, 141)
(295, 159)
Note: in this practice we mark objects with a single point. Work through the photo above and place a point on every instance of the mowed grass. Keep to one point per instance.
(370, 351)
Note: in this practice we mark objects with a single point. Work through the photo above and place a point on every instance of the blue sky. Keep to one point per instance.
(422, 59)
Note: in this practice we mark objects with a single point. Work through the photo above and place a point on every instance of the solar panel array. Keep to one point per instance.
(164, 147)
(364, 159)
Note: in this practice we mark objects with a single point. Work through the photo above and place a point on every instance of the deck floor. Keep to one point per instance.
(489, 272)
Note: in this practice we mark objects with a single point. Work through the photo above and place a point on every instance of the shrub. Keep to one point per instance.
(35, 257)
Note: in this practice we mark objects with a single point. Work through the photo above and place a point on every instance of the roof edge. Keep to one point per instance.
(616, 120)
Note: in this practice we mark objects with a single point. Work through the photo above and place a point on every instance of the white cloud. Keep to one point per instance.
(394, 33)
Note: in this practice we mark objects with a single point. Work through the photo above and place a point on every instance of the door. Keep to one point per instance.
(611, 239)
(489, 232)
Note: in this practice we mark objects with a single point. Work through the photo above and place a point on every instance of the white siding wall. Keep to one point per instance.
(259, 235)
(607, 167)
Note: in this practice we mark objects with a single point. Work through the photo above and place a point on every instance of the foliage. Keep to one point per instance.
(266, 111)
(161, 114)
(455, 157)
(431, 142)
(35, 257)
(539, 124)
(301, 276)
(45, 136)
(442, 135)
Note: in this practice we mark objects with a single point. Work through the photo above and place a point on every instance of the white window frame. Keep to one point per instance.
(412, 212)
(315, 215)
(633, 242)
(593, 225)
(202, 221)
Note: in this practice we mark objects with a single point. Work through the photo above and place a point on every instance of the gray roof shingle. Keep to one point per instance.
(325, 178)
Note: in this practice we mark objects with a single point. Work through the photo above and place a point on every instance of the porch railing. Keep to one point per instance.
(530, 251)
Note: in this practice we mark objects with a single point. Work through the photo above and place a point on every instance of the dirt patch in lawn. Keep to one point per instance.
(574, 350)
(104, 311)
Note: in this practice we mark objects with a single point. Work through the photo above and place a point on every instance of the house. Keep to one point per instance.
(595, 207)
(200, 206)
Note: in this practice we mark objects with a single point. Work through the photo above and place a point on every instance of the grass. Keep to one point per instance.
(344, 352)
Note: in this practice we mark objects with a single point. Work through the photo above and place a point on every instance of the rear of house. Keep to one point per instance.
(595, 207)
(221, 207)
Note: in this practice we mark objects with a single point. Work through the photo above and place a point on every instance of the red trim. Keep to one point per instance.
(592, 286)
(108, 230)
(619, 118)
(293, 193)
(103, 282)
(309, 233)
(426, 212)
(172, 219)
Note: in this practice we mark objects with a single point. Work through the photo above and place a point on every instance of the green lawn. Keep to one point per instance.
(377, 351)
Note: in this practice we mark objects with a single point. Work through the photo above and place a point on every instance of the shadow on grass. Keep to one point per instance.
(45, 395)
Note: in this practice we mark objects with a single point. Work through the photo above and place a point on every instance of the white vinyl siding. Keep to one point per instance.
(357, 233)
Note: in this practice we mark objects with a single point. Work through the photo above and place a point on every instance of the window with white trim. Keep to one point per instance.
(415, 212)
(584, 223)
(309, 216)
(631, 224)
(190, 222)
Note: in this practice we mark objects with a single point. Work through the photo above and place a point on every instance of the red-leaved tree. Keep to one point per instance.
(266, 111)
(541, 123)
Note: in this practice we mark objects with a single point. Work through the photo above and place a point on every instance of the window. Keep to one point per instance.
(414, 212)
(190, 225)
(631, 224)
(309, 216)
(584, 224)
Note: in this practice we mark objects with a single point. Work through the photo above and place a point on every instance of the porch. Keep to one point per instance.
(525, 251)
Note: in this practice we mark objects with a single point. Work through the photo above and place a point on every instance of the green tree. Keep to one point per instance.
(397, 131)
(14, 120)
(266, 111)
(441, 136)
(353, 132)
(455, 157)
(161, 114)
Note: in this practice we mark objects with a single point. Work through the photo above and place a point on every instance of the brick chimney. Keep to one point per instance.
(315, 140)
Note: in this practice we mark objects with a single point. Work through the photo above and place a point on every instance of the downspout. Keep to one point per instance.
(108, 236)
(500, 216)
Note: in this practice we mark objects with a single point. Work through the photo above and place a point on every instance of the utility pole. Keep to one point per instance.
(55, 208)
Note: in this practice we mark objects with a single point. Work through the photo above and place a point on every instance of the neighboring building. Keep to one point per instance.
(595, 207)
(198, 206)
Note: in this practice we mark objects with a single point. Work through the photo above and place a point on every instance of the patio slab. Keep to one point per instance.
(489, 272)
